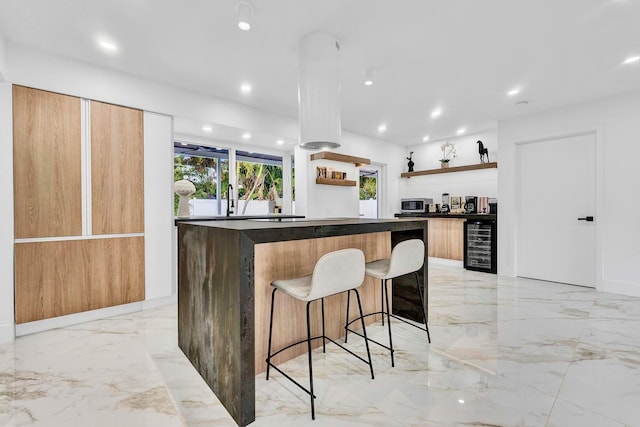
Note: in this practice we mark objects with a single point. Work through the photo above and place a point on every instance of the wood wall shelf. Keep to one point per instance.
(340, 182)
(490, 165)
(336, 157)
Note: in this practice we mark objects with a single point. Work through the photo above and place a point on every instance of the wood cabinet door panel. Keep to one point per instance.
(446, 238)
(117, 174)
(46, 164)
(64, 277)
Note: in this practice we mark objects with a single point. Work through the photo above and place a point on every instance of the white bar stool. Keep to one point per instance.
(334, 273)
(406, 257)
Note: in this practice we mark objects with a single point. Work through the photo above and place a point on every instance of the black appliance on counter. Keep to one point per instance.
(481, 245)
(493, 206)
(445, 208)
(470, 204)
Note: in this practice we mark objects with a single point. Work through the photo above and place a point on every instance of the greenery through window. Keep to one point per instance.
(259, 178)
(368, 187)
(201, 166)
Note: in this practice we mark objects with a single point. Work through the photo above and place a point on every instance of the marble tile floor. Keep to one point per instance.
(505, 352)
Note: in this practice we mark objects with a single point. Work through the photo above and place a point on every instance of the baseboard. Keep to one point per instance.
(159, 302)
(88, 316)
(621, 288)
(445, 261)
(74, 319)
(7, 333)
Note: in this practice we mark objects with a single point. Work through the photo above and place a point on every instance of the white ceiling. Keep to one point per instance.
(458, 55)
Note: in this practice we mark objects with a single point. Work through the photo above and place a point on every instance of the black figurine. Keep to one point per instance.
(410, 164)
(483, 152)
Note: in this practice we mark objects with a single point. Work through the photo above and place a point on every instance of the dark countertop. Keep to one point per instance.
(275, 217)
(274, 230)
(490, 217)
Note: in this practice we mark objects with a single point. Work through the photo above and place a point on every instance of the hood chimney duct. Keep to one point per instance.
(319, 91)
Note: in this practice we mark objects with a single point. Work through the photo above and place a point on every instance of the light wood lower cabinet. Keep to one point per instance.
(64, 277)
(446, 238)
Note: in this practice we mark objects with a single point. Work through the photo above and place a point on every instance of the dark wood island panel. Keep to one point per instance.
(223, 272)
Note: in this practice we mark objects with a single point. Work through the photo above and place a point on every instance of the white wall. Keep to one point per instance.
(326, 201)
(36, 69)
(468, 183)
(616, 120)
(158, 200)
(3, 60)
(6, 214)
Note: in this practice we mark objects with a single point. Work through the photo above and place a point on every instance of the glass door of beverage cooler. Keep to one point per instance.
(480, 246)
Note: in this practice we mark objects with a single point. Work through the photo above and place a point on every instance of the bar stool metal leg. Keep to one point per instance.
(364, 332)
(386, 296)
(424, 313)
(273, 297)
(382, 284)
(346, 321)
(313, 409)
(324, 338)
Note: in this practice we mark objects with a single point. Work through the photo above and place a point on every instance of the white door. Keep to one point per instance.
(557, 187)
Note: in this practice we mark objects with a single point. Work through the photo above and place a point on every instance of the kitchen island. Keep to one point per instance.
(225, 269)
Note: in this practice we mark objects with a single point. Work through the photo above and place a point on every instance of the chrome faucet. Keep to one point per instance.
(230, 199)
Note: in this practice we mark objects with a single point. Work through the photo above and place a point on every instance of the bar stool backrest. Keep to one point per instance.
(406, 257)
(337, 272)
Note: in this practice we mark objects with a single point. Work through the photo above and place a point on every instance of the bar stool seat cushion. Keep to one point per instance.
(406, 257)
(335, 272)
(299, 288)
(378, 269)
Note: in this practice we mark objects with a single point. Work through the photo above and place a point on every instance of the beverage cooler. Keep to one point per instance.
(480, 246)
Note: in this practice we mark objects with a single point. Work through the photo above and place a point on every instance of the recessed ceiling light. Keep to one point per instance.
(108, 46)
(460, 400)
(382, 128)
(514, 91)
(631, 60)
(246, 136)
(425, 138)
(368, 78)
(279, 142)
(461, 131)
(245, 88)
(436, 113)
(207, 128)
(245, 10)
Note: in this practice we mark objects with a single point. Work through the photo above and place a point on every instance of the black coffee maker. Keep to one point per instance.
(445, 208)
(471, 204)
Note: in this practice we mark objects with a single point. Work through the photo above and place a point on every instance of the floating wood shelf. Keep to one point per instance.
(450, 170)
(329, 155)
(340, 182)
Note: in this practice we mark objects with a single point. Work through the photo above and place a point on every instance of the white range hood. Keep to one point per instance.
(319, 91)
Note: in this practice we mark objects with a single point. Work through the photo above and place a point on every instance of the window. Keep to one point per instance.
(259, 183)
(208, 169)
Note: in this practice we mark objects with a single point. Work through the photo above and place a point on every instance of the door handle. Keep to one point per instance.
(587, 218)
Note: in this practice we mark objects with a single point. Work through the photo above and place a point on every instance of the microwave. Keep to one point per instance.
(415, 205)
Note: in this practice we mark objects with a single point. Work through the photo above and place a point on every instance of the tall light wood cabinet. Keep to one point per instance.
(117, 181)
(79, 218)
(46, 162)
